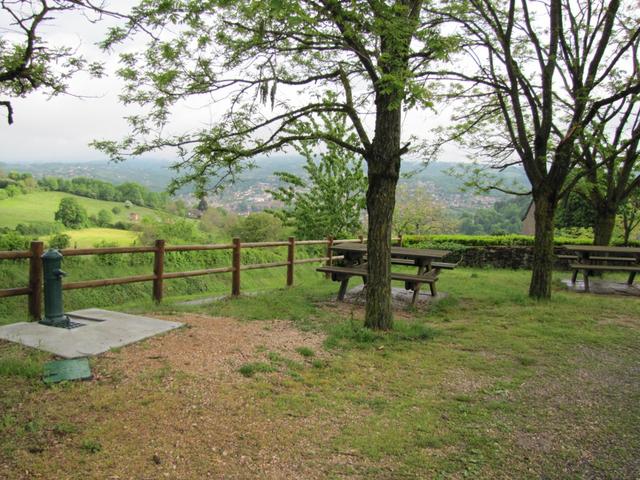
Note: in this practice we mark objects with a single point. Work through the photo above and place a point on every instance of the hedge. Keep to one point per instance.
(492, 241)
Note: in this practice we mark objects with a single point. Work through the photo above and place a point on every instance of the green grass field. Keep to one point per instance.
(41, 207)
(484, 384)
(88, 237)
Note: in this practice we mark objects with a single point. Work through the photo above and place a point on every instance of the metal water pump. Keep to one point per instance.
(53, 312)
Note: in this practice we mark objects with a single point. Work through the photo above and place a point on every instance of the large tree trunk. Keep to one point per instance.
(380, 205)
(603, 226)
(542, 268)
(383, 164)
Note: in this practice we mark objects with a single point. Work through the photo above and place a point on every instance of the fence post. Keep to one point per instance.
(158, 271)
(35, 281)
(291, 256)
(400, 240)
(329, 254)
(361, 238)
(235, 275)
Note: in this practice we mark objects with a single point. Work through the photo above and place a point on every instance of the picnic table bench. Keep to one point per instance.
(355, 265)
(434, 265)
(591, 258)
(600, 258)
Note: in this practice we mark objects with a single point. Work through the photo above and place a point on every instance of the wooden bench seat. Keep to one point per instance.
(614, 259)
(444, 265)
(402, 261)
(438, 265)
(412, 281)
(336, 271)
(615, 268)
(599, 258)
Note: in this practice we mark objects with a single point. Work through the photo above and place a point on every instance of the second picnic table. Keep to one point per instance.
(589, 258)
(354, 264)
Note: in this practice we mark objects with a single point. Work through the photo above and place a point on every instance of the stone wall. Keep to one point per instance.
(514, 257)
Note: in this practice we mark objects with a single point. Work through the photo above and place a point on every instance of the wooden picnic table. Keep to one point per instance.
(421, 257)
(591, 258)
(355, 264)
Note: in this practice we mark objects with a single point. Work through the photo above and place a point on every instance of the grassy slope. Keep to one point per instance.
(505, 388)
(88, 237)
(41, 207)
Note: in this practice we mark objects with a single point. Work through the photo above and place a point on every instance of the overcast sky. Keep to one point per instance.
(60, 128)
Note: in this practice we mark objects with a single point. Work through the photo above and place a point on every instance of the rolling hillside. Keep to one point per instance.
(41, 207)
(89, 237)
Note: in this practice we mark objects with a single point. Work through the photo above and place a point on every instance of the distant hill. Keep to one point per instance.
(251, 186)
(153, 174)
(41, 207)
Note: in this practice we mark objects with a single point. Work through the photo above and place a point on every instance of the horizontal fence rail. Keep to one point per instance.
(35, 288)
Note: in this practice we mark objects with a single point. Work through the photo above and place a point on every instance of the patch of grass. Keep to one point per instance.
(295, 375)
(305, 352)
(7, 421)
(250, 369)
(281, 305)
(275, 358)
(526, 361)
(319, 363)
(91, 446)
(15, 363)
(157, 375)
(353, 334)
(32, 426)
(65, 428)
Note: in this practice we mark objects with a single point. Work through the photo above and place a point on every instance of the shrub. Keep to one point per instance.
(486, 240)
(109, 258)
(122, 225)
(259, 227)
(104, 218)
(39, 228)
(71, 213)
(13, 241)
(60, 241)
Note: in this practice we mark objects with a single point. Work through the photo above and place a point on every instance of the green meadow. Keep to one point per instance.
(88, 237)
(41, 207)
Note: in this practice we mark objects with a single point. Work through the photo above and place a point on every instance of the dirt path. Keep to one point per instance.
(175, 406)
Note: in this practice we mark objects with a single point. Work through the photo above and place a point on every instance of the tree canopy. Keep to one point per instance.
(537, 74)
(608, 152)
(27, 61)
(271, 68)
(71, 214)
(330, 200)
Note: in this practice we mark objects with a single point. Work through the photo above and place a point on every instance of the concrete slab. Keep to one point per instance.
(603, 287)
(400, 298)
(102, 331)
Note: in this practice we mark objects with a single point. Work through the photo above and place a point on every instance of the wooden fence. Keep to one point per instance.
(34, 289)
